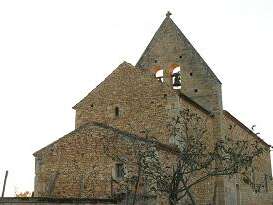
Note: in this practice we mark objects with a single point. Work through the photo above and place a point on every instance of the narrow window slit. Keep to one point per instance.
(117, 111)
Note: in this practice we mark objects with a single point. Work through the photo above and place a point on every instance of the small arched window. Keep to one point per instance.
(120, 170)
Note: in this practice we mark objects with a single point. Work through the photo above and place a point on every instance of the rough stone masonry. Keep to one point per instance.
(131, 100)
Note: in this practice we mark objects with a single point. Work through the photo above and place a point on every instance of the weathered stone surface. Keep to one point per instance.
(113, 120)
(71, 201)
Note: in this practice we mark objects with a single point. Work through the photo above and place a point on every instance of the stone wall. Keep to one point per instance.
(71, 201)
(55, 201)
(81, 164)
(131, 107)
(77, 165)
(168, 49)
(262, 167)
(134, 89)
(144, 103)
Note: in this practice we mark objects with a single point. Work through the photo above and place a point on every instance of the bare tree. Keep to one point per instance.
(199, 158)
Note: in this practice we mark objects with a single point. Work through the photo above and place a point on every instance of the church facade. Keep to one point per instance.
(115, 116)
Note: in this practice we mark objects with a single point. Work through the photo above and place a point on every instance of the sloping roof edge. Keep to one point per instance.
(193, 103)
(183, 36)
(238, 122)
(124, 63)
(159, 145)
(149, 44)
(198, 54)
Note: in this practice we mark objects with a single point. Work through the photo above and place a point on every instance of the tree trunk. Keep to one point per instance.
(191, 197)
(188, 191)
(172, 201)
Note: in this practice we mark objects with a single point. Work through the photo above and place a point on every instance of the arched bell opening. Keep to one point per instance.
(159, 75)
(176, 76)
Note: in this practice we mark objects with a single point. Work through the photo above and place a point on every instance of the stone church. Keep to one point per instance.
(115, 115)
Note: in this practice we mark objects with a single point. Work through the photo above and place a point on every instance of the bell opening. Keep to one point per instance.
(176, 78)
(159, 75)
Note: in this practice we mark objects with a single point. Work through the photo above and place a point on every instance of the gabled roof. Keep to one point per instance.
(168, 26)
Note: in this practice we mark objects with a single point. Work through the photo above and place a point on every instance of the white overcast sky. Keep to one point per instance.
(53, 52)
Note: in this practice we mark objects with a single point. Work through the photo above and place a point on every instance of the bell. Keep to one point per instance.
(177, 79)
